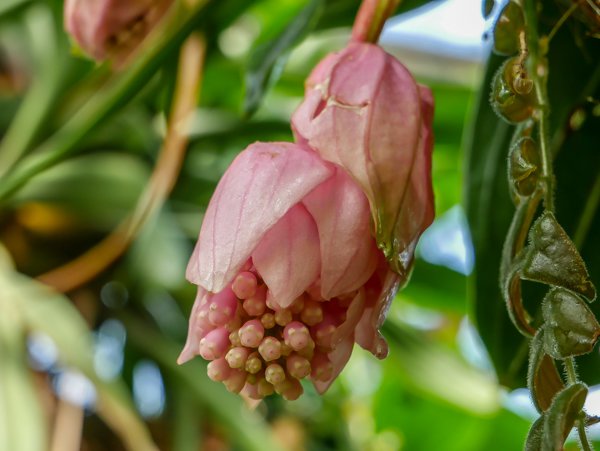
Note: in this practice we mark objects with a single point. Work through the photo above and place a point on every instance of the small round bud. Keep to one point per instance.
(312, 313)
(253, 363)
(236, 357)
(218, 370)
(244, 285)
(298, 366)
(214, 344)
(251, 333)
(270, 349)
(274, 374)
(268, 320)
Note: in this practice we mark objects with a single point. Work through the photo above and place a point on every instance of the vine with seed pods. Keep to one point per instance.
(537, 248)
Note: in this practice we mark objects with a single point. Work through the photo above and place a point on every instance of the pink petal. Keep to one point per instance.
(259, 187)
(338, 357)
(195, 332)
(348, 252)
(287, 257)
(355, 312)
(417, 210)
(379, 299)
(371, 126)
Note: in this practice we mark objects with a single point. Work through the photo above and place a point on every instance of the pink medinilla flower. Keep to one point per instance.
(289, 274)
(364, 111)
(111, 28)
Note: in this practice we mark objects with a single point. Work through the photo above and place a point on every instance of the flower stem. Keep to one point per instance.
(370, 19)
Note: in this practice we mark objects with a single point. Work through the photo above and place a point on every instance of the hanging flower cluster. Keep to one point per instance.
(289, 272)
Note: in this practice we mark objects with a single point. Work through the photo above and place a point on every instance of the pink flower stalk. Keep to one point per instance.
(111, 28)
(364, 111)
(289, 276)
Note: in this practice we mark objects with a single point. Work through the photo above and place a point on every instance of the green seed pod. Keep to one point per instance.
(570, 327)
(506, 31)
(543, 378)
(553, 259)
(523, 164)
(512, 96)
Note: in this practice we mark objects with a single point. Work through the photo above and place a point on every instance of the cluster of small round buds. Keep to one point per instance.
(257, 348)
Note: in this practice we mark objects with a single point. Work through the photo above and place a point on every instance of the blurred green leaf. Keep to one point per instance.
(22, 424)
(267, 60)
(52, 314)
(99, 188)
(431, 368)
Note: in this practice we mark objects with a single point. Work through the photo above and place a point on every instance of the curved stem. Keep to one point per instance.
(98, 258)
(370, 19)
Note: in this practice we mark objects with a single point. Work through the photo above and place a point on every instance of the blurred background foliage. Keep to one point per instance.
(94, 368)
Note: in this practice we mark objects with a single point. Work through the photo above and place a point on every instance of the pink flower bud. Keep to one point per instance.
(111, 28)
(364, 111)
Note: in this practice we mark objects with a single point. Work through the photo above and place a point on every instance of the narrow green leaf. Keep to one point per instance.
(267, 60)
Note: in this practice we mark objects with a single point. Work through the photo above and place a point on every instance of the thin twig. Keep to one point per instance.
(98, 258)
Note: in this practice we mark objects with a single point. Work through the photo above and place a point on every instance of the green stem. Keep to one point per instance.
(104, 103)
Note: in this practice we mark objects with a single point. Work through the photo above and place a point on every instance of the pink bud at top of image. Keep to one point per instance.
(364, 111)
(111, 28)
(289, 274)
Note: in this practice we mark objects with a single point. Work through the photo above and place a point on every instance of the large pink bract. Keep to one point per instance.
(364, 111)
(289, 276)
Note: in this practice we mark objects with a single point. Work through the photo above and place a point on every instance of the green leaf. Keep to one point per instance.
(561, 416)
(267, 60)
(552, 258)
(535, 435)
(571, 328)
